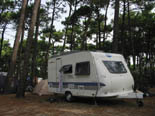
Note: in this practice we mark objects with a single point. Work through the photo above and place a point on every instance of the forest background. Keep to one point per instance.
(87, 25)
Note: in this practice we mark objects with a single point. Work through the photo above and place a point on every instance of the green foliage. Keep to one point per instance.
(99, 3)
(5, 57)
(82, 11)
(57, 35)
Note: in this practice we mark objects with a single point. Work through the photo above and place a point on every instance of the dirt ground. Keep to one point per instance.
(34, 105)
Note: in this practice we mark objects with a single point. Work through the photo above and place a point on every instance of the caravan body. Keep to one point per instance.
(91, 74)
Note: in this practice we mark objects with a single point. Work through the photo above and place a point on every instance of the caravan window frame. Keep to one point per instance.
(80, 66)
(69, 71)
(115, 67)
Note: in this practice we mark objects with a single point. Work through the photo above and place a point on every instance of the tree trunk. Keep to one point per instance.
(72, 39)
(49, 41)
(99, 28)
(105, 22)
(84, 37)
(130, 38)
(70, 10)
(34, 55)
(16, 46)
(53, 44)
(2, 39)
(19, 66)
(72, 46)
(123, 29)
(2, 10)
(20, 54)
(21, 88)
(116, 27)
(97, 41)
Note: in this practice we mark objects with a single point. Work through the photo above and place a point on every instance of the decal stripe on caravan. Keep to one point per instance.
(77, 85)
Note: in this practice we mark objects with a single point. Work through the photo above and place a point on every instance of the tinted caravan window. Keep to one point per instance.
(82, 68)
(115, 66)
(66, 69)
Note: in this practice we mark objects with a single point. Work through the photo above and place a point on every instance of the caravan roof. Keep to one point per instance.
(93, 52)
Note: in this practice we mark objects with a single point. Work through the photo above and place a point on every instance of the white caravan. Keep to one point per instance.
(91, 74)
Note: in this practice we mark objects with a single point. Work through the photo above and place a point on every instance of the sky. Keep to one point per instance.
(10, 32)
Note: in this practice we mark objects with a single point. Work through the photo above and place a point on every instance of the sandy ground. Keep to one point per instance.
(33, 105)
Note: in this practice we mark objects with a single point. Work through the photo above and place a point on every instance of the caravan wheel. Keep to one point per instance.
(68, 97)
(140, 103)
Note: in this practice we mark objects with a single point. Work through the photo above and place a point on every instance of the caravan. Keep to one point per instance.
(91, 74)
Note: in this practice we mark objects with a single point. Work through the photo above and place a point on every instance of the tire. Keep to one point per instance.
(68, 97)
(140, 103)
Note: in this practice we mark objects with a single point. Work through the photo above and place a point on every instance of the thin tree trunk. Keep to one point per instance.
(72, 39)
(21, 88)
(130, 39)
(3, 8)
(105, 22)
(96, 41)
(84, 37)
(72, 47)
(2, 39)
(122, 29)
(53, 44)
(149, 70)
(51, 27)
(16, 46)
(70, 10)
(49, 41)
(116, 27)
(34, 56)
(99, 28)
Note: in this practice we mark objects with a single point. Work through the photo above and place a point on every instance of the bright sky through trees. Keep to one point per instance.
(10, 32)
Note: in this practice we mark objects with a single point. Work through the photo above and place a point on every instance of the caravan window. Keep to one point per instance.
(115, 66)
(66, 69)
(82, 68)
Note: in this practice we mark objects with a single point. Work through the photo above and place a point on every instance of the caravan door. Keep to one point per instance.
(59, 78)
